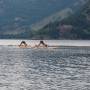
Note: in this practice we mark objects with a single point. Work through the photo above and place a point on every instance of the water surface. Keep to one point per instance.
(49, 42)
(44, 69)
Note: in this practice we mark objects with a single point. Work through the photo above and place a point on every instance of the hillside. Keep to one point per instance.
(76, 26)
(18, 17)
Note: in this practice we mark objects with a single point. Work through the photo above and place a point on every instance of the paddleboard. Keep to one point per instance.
(40, 47)
(24, 46)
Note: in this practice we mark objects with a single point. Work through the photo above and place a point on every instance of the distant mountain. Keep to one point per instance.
(18, 18)
(55, 17)
(75, 26)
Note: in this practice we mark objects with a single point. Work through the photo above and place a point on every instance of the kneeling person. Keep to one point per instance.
(42, 44)
(23, 44)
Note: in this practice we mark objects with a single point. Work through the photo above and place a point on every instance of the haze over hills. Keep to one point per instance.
(75, 26)
(18, 18)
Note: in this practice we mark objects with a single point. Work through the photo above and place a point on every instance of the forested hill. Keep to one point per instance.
(17, 16)
(76, 26)
(47, 19)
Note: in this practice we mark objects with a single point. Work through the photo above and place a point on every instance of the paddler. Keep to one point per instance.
(23, 44)
(42, 44)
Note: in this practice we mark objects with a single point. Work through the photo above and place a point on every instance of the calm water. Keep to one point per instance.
(49, 42)
(44, 69)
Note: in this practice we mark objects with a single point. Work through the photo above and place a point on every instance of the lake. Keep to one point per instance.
(44, 69)
(49, 42)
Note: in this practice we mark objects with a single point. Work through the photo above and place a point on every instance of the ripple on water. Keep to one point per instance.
(45, 69)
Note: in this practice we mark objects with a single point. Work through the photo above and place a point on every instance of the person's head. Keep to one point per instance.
(23, 42)
(41, 41)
